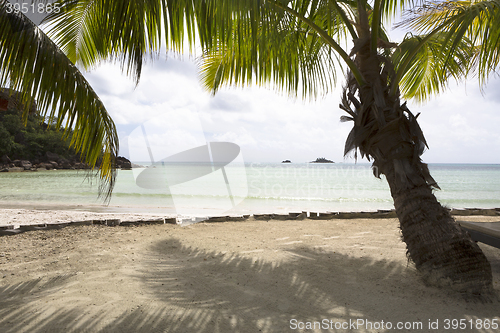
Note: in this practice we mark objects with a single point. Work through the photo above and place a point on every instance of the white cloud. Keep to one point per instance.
(241, 138)
(460, 125)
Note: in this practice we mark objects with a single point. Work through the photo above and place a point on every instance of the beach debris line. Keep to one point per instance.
(8, 230)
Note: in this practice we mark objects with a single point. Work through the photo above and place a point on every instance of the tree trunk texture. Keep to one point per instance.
(442, 251)
(387, 132)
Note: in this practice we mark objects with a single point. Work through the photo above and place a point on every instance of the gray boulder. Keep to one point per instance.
(46, 166)
(64, 163)
(26, 165)
(52, 156)
(80, 166)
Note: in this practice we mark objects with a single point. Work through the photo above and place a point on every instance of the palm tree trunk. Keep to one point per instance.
(386, 131)
(442, 251)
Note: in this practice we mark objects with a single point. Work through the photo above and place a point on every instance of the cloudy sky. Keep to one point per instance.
(461, 125)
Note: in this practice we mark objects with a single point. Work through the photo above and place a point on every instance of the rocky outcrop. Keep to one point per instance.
(52, 161)
(123, 163)
(322, 160)
(51, 156)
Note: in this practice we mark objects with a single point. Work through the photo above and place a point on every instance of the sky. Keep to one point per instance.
(460, 125)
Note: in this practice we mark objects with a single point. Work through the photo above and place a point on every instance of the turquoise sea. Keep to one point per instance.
(244, 189)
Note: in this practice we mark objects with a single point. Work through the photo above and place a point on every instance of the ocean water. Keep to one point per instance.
(201, 190)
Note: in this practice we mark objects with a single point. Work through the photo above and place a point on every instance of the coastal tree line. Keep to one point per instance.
(30, 138)
(31, 143)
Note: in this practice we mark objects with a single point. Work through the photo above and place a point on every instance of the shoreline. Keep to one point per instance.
(17, 220)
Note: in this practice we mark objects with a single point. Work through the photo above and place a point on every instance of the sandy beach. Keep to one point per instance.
(347, 275)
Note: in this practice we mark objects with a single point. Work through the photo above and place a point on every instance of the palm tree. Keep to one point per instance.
(33, 65)
(477, 21)
(297, 46)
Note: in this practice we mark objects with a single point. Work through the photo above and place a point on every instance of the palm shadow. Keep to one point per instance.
(197, 290)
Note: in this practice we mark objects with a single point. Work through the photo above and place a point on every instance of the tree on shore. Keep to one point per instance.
(36, 70)
(30, 138)
(297, 46)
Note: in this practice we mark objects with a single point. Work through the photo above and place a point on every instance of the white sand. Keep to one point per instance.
(252, 276)
(18, 217)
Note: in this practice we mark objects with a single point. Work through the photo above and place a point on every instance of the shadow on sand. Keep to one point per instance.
(193, 290)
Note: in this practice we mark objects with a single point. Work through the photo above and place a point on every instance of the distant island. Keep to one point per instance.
(322, 160)
(286, 161)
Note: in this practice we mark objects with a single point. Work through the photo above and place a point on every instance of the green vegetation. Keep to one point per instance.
(33, 141)
(32, 64)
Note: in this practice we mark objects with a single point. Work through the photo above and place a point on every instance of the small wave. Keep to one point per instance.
(338, 199)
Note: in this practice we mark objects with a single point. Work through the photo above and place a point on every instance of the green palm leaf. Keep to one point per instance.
(285, 53)
(477, 21)
(33, 65)
(432, 66)
(132, 29)
(128, 31)
(90, 31)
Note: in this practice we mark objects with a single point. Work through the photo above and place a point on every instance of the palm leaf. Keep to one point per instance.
(393, 8)
(477, 21)
(297, 61)
(433, 65)
(293, 45)
(33, 65)
(90, 31)
(129, 31)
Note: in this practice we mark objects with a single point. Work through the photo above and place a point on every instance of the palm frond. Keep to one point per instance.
(295, 60)
(294, 44)
(433, 65)
(334, 17)
(90, 31)
(33, 65)
(392, 9)
(129, 31)
(477, 21)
